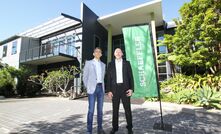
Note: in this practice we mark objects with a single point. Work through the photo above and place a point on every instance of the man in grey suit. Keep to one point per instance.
(93, 78)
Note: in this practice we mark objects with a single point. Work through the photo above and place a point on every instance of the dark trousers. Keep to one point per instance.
(120, 94)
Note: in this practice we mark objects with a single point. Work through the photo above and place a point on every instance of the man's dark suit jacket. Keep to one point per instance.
(128, 81)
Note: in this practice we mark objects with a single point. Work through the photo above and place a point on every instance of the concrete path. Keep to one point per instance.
(50, 115)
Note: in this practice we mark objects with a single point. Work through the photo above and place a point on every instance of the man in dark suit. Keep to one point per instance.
(120, 86)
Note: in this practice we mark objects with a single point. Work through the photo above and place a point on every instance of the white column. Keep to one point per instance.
(153, 29)
(109, 44)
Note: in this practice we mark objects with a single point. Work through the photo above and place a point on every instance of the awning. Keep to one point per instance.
(54, 25)
(135, 15)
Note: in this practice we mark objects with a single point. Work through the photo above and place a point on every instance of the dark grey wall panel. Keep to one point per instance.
(91, 28)
(28, 48)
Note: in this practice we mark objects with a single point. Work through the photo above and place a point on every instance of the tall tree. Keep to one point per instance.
(197, 40)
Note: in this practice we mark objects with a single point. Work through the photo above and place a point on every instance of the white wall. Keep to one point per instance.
(11, 60)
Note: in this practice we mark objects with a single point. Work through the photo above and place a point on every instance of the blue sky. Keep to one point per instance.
(20, 15)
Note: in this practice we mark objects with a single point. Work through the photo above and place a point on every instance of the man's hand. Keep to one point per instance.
(129, 92)
(110, 95)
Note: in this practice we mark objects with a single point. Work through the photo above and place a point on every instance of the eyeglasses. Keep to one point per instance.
(97, 51)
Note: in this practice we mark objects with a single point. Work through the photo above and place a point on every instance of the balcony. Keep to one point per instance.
(49, 53)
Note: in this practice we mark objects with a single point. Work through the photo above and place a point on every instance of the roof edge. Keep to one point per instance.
(129, 9)
(9, 39)
(71, 17)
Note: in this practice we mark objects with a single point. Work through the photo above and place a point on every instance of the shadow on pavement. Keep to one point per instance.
(143, 121)
(71, 124)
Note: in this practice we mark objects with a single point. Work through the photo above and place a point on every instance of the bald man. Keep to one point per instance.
(120, 86)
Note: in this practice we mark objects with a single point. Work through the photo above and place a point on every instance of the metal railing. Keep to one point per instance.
(48, 50)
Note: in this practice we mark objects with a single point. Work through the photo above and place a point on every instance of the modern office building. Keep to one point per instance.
(67, 40)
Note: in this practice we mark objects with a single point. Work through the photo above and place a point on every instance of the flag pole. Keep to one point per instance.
(161, 125)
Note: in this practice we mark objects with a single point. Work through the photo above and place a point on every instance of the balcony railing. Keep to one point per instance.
(48, 50)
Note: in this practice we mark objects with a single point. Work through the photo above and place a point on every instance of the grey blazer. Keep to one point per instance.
(90, 76)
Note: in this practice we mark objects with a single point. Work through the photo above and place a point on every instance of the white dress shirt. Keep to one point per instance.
(98, 70)
(119, 70)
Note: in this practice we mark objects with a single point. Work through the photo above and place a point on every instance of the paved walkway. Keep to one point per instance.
(62, 116)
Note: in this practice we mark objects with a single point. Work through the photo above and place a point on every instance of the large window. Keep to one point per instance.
(4, 54)
(162, 67)
(64, 44)
(14, 47)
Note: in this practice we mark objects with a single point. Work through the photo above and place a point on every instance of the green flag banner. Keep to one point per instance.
(139, 52)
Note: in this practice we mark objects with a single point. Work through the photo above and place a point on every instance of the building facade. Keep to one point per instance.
(67, 40)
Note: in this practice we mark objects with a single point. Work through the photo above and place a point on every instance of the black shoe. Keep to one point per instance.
(101, 131)
(130, 132)
(113, 131)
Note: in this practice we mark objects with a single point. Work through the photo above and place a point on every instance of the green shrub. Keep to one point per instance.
(7, 82)
(208, 97)
(211, 80)
(200, 90)
(168, 97)
(186, 96)
(15, 82)
(178, 83)
(25, 87)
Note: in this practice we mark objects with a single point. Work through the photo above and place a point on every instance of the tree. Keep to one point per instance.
(197, 38)
(1, 63)
(7, 81)
(38, 79)
(55, 81)
(25, 87)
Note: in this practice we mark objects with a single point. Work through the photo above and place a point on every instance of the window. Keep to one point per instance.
(97, 42)
(162, 64)
(162, 49)
(62, 48)
(162, 77)
(61, 40)
(55, 46)
(162, 69)
(119, 43)
(14, 47)
(4, 51)
(70, 44)
(48, 48)
(43, 49)
(70, 39)
(160, 37)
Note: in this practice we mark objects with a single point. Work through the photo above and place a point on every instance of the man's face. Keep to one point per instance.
(97, 53)
(118, 53)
